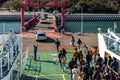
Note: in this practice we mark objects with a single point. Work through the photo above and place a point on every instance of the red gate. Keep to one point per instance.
(43, 3)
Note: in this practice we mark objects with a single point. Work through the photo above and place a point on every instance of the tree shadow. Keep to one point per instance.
(48, 61)
(25, 77)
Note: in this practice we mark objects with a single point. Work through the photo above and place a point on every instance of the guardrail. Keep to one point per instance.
(112, 44)
(92, 17)
(14, 17)
(9, 54)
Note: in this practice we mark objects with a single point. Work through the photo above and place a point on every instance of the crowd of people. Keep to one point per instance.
(87, 64)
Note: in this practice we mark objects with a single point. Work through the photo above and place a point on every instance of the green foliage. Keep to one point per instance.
(89, 6)
(95, 6)
(98, 6)
(14, 4)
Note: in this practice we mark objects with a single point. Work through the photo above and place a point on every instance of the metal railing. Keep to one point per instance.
(112, 44)
(25, 59)
(9, 54)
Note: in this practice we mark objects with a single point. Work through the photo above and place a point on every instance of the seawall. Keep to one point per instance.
(14, 17)
(91, 17)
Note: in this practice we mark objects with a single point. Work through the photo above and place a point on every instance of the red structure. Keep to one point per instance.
(43, 3)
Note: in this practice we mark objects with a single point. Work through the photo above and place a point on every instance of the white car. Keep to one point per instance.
(40, 36)
(43, 20)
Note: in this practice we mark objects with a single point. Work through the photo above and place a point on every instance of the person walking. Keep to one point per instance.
(57, 43)
(35, 51)
(79, 43)
(75, 72)
(59, 57)
(99, 60)
(75, 55)
(71, 65)
(81, 62)
(89, 57)
(72, 41)
(115, 65)
(63, 61)
(64, 51)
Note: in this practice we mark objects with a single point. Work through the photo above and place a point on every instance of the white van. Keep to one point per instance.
(40, 35)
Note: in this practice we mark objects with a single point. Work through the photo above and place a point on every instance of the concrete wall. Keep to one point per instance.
(93, 17)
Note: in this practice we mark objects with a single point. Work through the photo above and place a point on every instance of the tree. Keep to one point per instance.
(95, 6)
(89, 6)
(14, 4)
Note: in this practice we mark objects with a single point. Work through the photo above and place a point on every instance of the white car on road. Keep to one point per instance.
(43, 20)
(40, 36)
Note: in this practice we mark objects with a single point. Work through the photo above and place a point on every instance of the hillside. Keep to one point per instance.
(88, 6)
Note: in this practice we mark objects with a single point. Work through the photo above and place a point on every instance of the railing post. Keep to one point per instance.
(21, 49)
(11, 54)
(108, 43)
(1, 67)
(8, 61)
(22, 18)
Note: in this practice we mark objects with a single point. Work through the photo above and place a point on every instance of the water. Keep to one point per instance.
(91, 26)
(71, 26)
(8, 25)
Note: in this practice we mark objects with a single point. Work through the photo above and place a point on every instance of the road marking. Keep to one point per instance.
(36, 78)
(55, 59)
(63, 77)
(54, 54)
(42, 75)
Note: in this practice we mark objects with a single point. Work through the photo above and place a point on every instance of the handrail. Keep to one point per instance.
(7, 53)
(13, 45)
(113, 70)
(25, 59)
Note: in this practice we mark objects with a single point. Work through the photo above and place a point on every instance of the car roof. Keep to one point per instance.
(43, 19)
(40, 32)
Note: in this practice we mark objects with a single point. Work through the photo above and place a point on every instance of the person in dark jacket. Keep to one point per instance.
(89, 57)
(71, 65)
(57, 43)
(35, 51)
(64, 51)
(114, 65)
(59, 56)
(99, 60)
(72, 41)
(79, 43)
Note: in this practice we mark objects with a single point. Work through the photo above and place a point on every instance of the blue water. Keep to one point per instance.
(8, 25)
(91, 26)
(71, 26)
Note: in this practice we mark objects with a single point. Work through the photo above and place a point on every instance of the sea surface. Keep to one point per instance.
(5, 26)
(92, 26)
(70, 26)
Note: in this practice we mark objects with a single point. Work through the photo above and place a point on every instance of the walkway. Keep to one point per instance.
(46, 67)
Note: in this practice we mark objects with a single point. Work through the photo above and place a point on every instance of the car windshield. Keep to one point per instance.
(41, 34)
(43, 19)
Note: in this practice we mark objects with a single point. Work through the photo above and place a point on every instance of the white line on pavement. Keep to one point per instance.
(54, 54)
(63, 77)
(55, 58)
